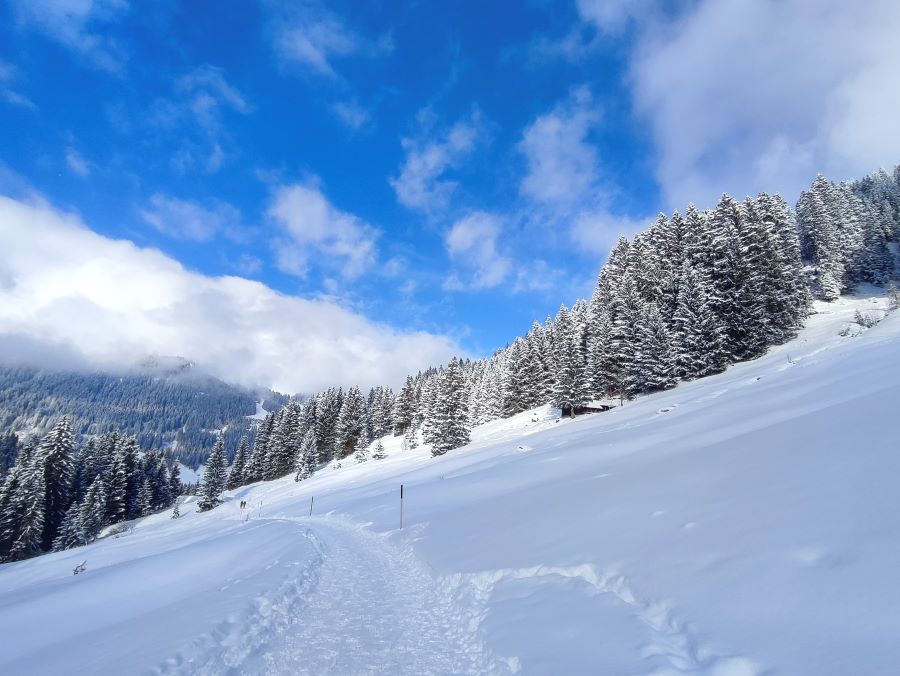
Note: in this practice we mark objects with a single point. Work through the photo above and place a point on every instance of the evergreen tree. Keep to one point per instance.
(697, 337)
(31, 504)
(351, 424)
(308, 458)
(652, 368)
(410, 438)
(128, 452)
(379, 451)
(361, 453)
(214, 477)
(281, 451)
(71, 533)
(145, 498)
(117, 490)
(12, 498)
(236, 476)
(93, 510)
(257, 464)
(450, 419)
(53, 459)
(175, 487)
(328, 409)
(819, 238)
(570, 390)
(8, 516)
(723, 285)
(625, 311)
(162, 492)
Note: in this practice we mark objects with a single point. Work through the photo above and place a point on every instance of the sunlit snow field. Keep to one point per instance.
(744, 524)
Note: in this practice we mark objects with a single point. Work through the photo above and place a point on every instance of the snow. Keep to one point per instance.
(189, 475)
(260, 414)
(743, 524)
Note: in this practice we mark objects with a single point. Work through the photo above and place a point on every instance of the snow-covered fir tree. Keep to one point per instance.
(361, 453)
(379, 453)
(351, 423)
(93, 510)
(450, 419)
(54, 460)
(145, 498)
(236, 475)
(405, 407)
(214, 478)
(307, 458)
(257, 463)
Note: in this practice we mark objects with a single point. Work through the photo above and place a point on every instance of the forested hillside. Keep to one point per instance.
(694, 293)
(168, 407)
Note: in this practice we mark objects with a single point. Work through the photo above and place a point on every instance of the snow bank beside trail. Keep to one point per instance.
(164, 590)
(743, 524)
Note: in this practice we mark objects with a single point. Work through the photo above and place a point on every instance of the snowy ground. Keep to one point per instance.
(745, 524)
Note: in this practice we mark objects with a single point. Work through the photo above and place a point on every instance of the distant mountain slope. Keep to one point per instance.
(166, 403)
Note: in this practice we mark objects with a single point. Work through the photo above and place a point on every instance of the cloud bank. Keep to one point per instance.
(749, 95)
(69, 295)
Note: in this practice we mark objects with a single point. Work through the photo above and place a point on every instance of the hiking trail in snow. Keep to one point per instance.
(360, 605)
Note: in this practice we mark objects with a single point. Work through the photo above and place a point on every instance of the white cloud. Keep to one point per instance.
(201, 99)
(472, 244)
(187, 220)
(562, 163)
(69, 293)
(538, 276)
(248, 265)
(423, 183)
(597, 231)
(8, 74)
(77, 25)
(351, 114)
(77, 164)
(312, 226)
(313, 37)
(749, 95)
(208, 91)
(611, 16)
(567, 184)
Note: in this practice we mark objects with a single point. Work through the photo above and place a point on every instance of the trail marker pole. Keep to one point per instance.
(311, 498)
(401, 506)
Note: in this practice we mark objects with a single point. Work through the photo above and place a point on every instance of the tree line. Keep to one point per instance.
(693, 294)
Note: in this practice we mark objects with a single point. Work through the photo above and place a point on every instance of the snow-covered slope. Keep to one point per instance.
(747, 523)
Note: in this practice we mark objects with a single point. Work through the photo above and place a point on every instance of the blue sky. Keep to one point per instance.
(453, 168)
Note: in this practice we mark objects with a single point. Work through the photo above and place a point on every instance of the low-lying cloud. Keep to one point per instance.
(71, 296)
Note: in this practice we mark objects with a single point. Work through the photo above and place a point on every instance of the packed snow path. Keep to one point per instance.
(360, 605)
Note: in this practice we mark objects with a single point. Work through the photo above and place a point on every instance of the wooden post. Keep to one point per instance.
(311, 498)
(401, 506)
